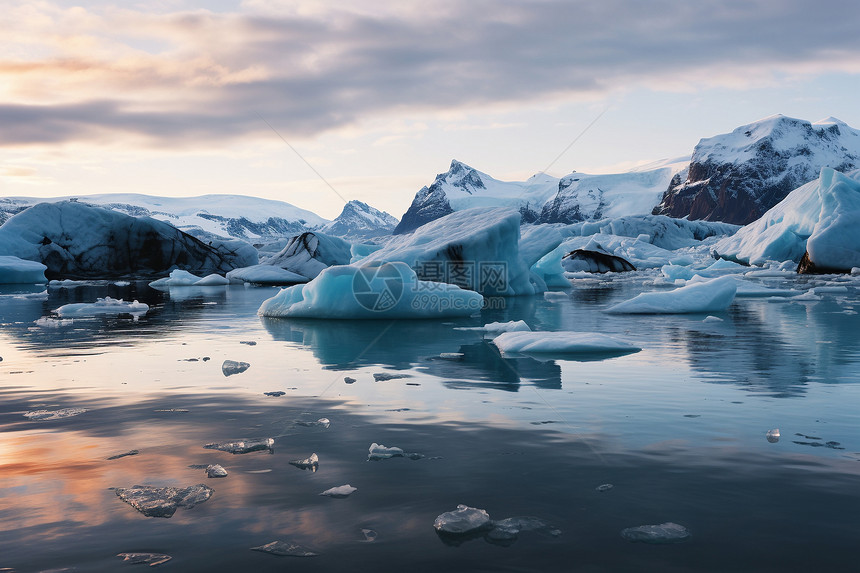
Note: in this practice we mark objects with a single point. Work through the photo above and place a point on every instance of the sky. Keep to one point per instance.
(314, 103)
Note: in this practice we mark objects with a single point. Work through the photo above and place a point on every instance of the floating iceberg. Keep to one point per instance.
(285, 549)
(310, 253)
(19, 271)
(312, 462)
(820, 218)
(154, 501)
(657, 534)
(562, 343)
(215, 471)
(244, 446)
(378, 452)
(772, 435)
(151, 559)
(499, 327)
(386, 376)
(48, 415)
(340, 491)
(177, 277)
(231, 367)
(213, 280)
(265, 275)
(462, 521)
(712, 296)
(106, 305)
(381, 291)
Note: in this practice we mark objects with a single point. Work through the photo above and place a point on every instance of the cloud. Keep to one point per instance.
(197, 77)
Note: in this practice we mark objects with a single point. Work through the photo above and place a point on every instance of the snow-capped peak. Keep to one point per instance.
(359, 220)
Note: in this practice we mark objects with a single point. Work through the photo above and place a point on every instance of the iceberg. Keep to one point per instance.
(312, 463)
(657, 534)
(819, 219)
(19, 271)
(340, 491)
(153, 501)
(177, 277)
(462, 521)
(713, 296)
(105, 305)
(215, 471)
(378, 452)
(310, 253)
(562, 343)
(265, 275)
(379, 291)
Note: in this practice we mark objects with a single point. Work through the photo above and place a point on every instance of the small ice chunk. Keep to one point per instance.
(555, 296)
(275, 393)
(322, 422)
(369, 535)
(177, 277)
(151, 559)
(604, 487)
(285, 548)
(243, 446)
(230, 367)
(562, 343)
(462, 521)
(772, 435)
(712, 319)
(508, 529)
(499, 327)
(124, 454)
(664, 533)
(349, 380)
(48, 415)
(215, 471)
(385, 376)
(310, 463)
(451, 356)
(340, 491)
(380, 452)
(212, 280)
(106, 305)
(154, 501)
(248, 342)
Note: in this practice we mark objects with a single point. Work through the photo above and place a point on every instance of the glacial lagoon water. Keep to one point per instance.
(679, 430)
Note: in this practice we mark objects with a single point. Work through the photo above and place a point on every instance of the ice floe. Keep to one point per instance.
(106, 305)
(340, 491)
(380, 291)
(48, 415)
(386, 376)
(265, 275)
(378, 452)
(151, 559)
(462, 521)
(657, 534)
(285, 549)
(498, 327)
(772, 435)
(311, 462)
(153, 501)
(712, 296)
(562, 343)
(231, 367)
(243, 446)
(215, 471)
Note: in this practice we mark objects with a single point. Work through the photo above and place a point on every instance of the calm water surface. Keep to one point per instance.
(678, 429)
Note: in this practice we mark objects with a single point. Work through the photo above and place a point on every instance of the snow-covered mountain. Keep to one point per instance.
(736, 177)
(360, 221)
(463, 187)
(543, 198)
(243, 217)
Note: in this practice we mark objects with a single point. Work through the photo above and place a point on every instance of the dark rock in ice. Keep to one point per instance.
(151, 559)
(285, 548)
(808, 267)
(340, 491)
(310, 463)
(657, 534)
(215, 471)
(230, 367)
(248, 342)
(243, 446)
(595, 261)
(48, 415)
(349, 380)
(604, 487)
(384, 376)
(369, 535)
(124, 454)
(275, 394)
(153, 501)
(462, 521)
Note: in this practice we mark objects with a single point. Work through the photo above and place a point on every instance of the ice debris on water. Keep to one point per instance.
(151, 559)
(285, 548)
(322, 422)
(275, 394)
(230, 367)
(310, 463)
(47, 415)
(664, 533)
(508, 529)
(385, 376)
(106, 305)
(124, 454)
(248, 342)
(604, 487)
(379, 452)
(349, 380)
(243, 446)
(340, 491)
(772, 435)
(369, 535)
(711, 318)
(451, 355)
(215, 471)
(153, 501)
(462, 521)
